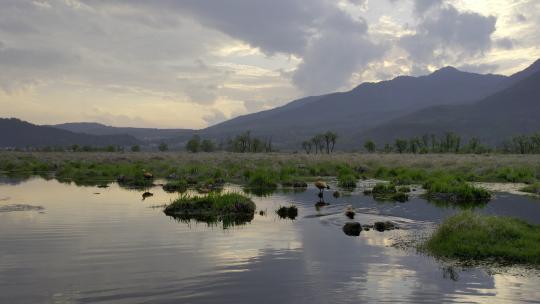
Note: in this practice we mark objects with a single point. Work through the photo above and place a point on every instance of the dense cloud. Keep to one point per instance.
(446, 34)
(312, 30)
(224, 58)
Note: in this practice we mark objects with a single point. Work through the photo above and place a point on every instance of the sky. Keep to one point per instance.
(195, 63)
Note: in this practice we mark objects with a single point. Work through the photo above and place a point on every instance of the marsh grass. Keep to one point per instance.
(230, 208)
(94, 168)
(472, 237)
(180, 185)
(384, 192)
(262, 179)
(455, 190)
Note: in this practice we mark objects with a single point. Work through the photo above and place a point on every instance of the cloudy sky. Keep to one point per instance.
(193, 63)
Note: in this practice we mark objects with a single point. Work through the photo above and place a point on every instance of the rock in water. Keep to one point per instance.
(382, 226)
(352, 228)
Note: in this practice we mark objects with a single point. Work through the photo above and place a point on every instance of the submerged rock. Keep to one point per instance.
(337, 194)
(352, 228)
(290, 212)
(382, 226)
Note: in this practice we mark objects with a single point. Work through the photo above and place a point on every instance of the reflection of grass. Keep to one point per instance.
(469, 236)
(227, 220)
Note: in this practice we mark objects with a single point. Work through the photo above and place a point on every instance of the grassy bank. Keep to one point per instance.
(472, 237)
(270, 170)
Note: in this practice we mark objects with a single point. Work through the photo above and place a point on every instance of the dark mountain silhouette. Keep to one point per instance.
(18, 133)
(364, 107)
(425, 104)
(512, 111)
(144, 134)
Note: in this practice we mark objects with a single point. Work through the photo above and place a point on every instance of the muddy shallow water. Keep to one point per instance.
(107, 245)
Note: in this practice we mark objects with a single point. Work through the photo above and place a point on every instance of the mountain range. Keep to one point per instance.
(18, 134)
(491, 107)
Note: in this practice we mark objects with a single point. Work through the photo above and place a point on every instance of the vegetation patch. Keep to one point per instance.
(294, 184)
(176, 186)
(472, 237)
(346, 177)
(404, 189)
(262, 179)
(454, 190)
(228, 207)
(533, 188)
(388, 192)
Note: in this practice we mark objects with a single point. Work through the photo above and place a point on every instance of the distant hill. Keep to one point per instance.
(144, 134)
(18, 133)
(512, 111)
(366, 106)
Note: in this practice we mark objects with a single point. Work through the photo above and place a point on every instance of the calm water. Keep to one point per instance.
(113, 247)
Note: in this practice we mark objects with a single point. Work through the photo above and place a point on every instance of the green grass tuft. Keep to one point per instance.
(227, 203)
(472, 237)
(455, 190)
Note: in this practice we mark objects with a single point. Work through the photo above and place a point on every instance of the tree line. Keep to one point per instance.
(452, 143)
(320, 143)
(242, 143)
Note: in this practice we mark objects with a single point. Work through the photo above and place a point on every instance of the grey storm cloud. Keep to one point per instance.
(421, 6)
(331, 43)
(521, 18)
(448, 32)
(331, 60)
(150, 46)
(215, 117)
(273, 26)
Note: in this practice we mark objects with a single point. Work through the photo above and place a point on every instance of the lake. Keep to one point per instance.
(62, 243)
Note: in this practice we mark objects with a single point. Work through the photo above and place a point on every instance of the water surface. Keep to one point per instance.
(95, 245)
